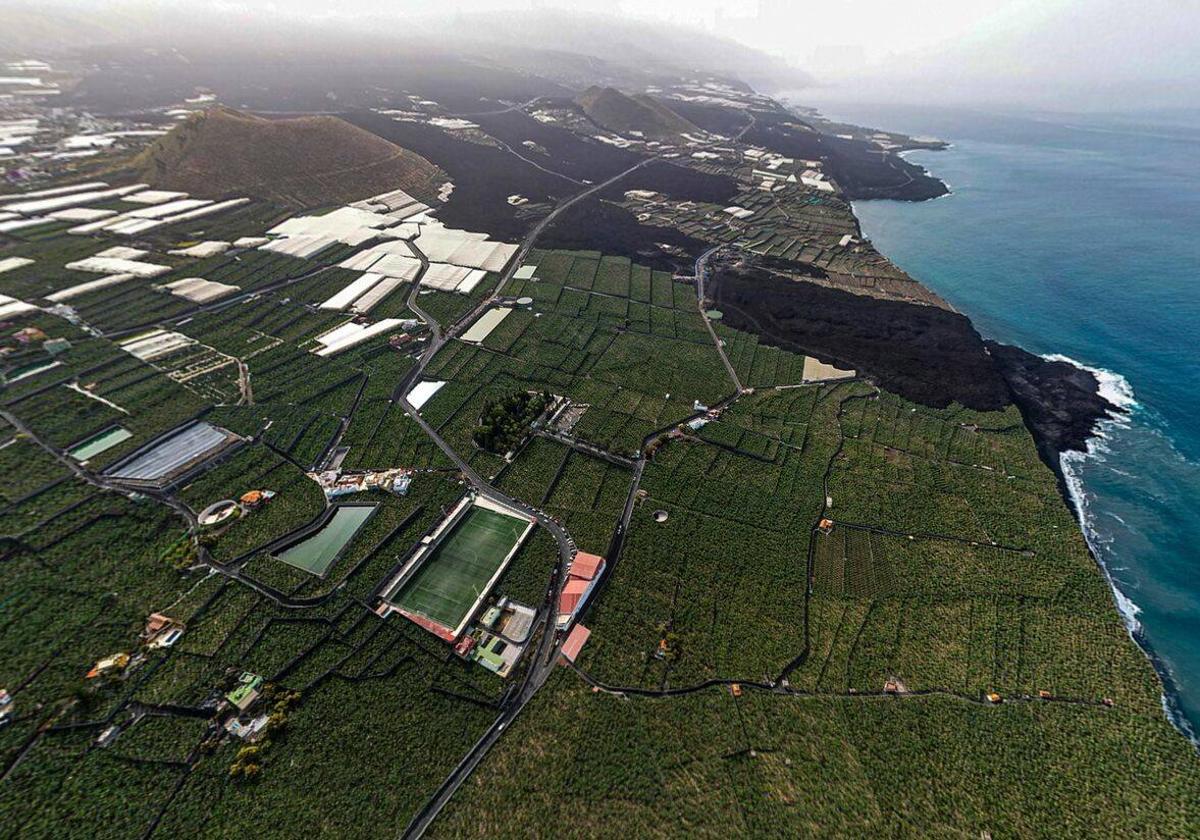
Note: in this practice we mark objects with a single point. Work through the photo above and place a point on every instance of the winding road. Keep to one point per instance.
(543, 662)
(97, 480)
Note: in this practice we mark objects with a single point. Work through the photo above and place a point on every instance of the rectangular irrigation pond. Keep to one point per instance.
(89, 448)
(316, 552)
(462, 567)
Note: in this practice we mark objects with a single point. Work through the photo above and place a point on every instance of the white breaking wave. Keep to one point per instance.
(1071, 463)
(1116, 389)
(1112, 386)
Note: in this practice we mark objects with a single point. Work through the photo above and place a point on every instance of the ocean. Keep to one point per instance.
(1079, 237)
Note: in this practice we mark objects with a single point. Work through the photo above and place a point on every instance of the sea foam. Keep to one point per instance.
(1116, 389)
(1112, 386)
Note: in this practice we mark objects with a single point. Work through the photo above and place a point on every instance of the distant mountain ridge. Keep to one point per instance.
(637, 113)
(299, 162)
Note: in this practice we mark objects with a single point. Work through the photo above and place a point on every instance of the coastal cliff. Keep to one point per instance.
(1061, 403)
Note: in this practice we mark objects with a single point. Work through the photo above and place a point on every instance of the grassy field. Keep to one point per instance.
(454, 576)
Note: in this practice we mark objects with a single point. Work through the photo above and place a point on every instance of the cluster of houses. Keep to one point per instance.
(499, 637)
(335, 483)
(241, 697)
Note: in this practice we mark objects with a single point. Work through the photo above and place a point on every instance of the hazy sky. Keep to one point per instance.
(1061, 54)
(1083, 54)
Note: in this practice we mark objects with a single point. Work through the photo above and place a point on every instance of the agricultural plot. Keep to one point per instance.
(939, 590)
(326, 653)
(758, 365)
(681, 591)
(588, 496)
(118, 391)
(988, 500)
(382, 435)
(768, 764)
(297, 500)
(52, 596)
(431, 729)
(448, 307)
(535, 471)
(379, 434)
(686, 371)
(588, 360)
(745, 442)
(302, 435)
(25, 468)
(509, 331)
(525, 578)
(858, 562)
(344, 657)
(56, 500)
(557, 353)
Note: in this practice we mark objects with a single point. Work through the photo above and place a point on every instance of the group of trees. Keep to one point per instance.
(506, 421)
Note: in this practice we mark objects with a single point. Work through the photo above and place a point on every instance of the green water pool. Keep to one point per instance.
(93, 446)
(316, 553)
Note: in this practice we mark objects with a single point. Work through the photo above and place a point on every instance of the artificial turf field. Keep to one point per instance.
(453, 577)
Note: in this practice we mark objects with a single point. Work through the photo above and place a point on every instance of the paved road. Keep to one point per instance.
(537, 165)
(701, 272)
(543, 661)
(435, 329)
(588, 448)
(747, 126)
(98, 480)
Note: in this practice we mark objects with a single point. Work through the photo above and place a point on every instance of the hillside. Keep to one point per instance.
(301, 162)
(622, 113)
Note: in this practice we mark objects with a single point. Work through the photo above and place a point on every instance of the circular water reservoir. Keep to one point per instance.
(217, 512)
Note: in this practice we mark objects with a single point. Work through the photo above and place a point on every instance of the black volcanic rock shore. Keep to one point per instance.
(925, 354)
(1060, 402)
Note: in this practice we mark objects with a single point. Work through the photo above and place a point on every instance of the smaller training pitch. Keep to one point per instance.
(454, 577)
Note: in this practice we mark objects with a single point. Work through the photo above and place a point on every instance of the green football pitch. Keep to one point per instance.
(453, 577)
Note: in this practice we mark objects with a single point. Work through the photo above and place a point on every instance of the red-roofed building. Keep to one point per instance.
(586, 566)
(581, 577)
(572, 596)
(155, 624)
(574, 643)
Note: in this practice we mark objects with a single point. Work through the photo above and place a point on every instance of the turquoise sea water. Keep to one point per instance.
(1080, 237)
